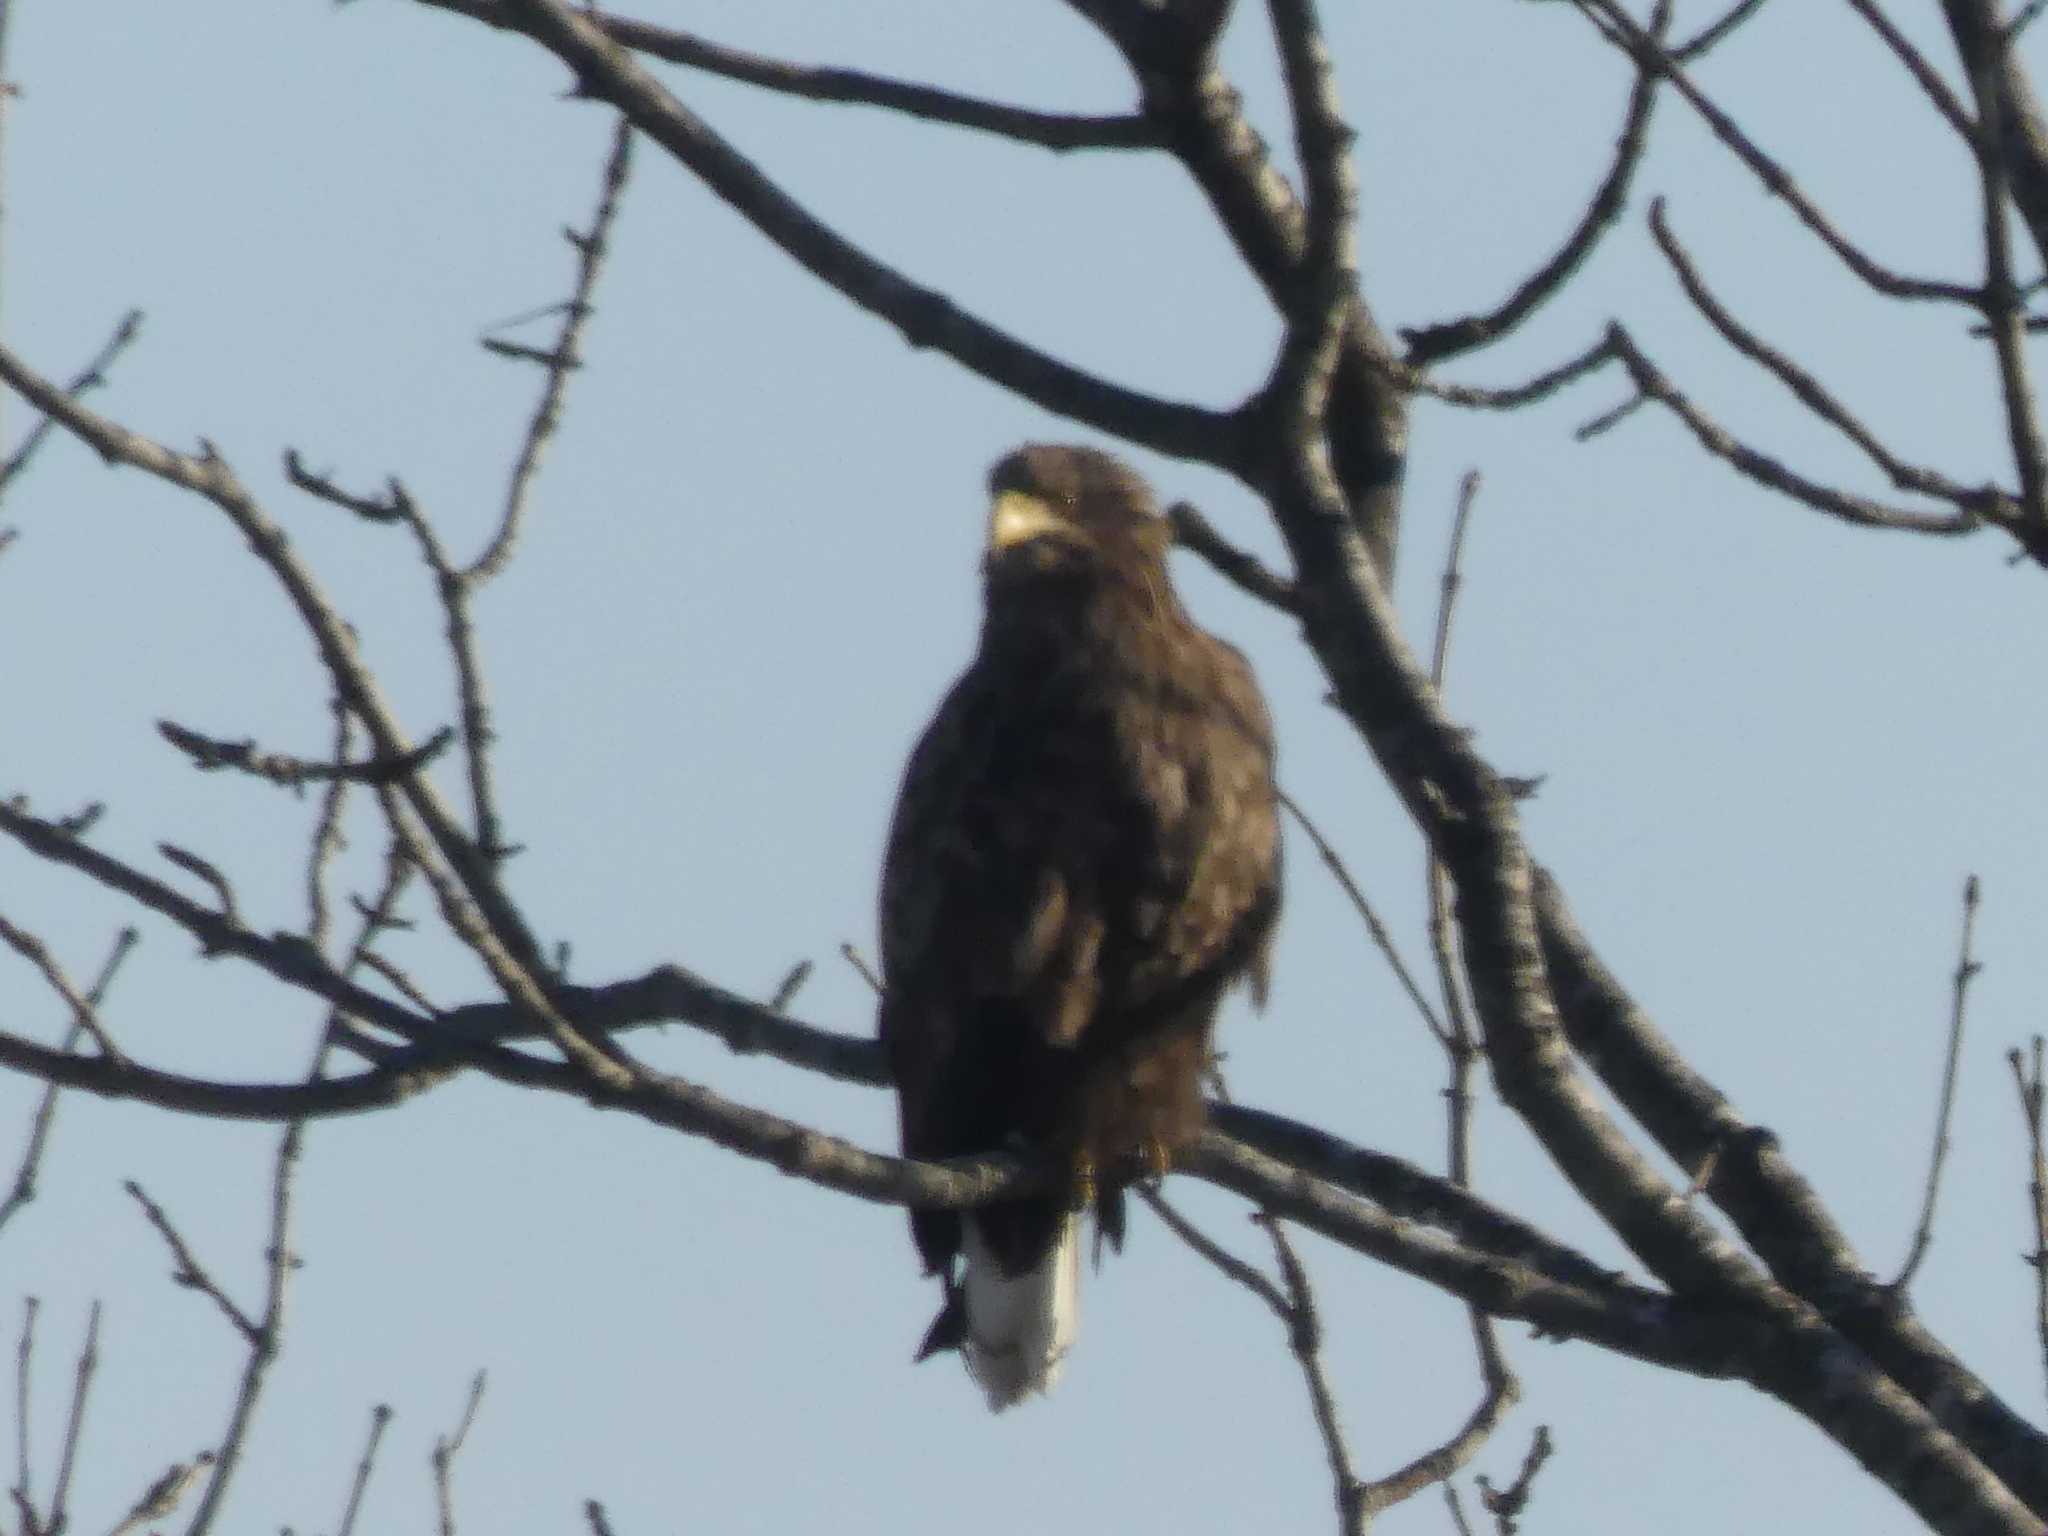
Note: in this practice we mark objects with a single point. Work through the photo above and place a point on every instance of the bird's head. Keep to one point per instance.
(1073, 511)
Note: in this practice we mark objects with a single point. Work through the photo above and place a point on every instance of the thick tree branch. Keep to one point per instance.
(1988, 57)
(926, 318)
(1778, 1213)
(1170, 54)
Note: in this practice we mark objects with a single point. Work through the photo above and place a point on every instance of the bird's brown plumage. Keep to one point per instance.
(1085, 855)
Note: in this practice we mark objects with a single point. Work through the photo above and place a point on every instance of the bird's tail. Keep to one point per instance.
(1020, 1327)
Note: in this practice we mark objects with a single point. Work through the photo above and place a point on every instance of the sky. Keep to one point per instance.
(1773, 746)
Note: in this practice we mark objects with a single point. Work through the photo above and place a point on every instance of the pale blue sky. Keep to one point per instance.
(1774, 745)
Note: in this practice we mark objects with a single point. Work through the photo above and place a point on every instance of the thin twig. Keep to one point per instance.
(1305, 1340)
(74, 1424)
(210, 754)
(1433, 343)
(279, 1260)
(859, 962)
(380, 1420)
(1860, 511)
(1453, 577)
(2033, 1090)
(1966, 971)
(1382, 938)
(1976, 500)
(24, 1375)
(388, 508)
(1648, 53)
(1506, 1504)
(1195, 533)
(1716, 32)
(84, 1017)
(328, 840)
(560, 360)
(1024, 125)
(1507, 397)
(26, 1175)
(206, 870)
(186, 1269)
(91, 377)
(786, 990)
(478, 734)
(1924, 74)
(1499, 1387)
(210, 476)
(593, 1512)
(1214, 1253)
(446, 1449)
(407, 987)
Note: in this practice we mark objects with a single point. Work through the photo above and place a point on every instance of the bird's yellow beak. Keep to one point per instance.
(1018, 515)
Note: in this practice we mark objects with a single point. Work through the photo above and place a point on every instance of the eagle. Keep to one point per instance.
(1085, 855)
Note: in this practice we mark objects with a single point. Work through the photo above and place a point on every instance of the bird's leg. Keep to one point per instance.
(1158, 1156)
(1084, 1178)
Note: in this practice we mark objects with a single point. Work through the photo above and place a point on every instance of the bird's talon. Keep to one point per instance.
(1158, 1157)
(1084, 1181)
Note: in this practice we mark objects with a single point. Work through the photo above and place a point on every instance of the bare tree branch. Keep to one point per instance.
(1650, 54)
(1859, 511)
(210, 753)
(1986, 502)
(1506, 1504)
(186, 1269)
(1213, 1253)
(1924, 75)
(446, 1449)
(92, 376)
(380, 1420)
(1192, 531)
(2033, 1087)
(1382, 939)
(1777, 1212)
(565, 356)
(1047, 130)
(1966, 971)
(2002, 303)
(26, 1175)
(1432, 343)
(608, 71)
(1716, 32)
(209, 476)
(74, 1424)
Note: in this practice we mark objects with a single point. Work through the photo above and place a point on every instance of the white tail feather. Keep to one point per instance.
(1019, 1328)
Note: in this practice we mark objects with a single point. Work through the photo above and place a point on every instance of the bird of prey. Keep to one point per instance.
(1085, 855)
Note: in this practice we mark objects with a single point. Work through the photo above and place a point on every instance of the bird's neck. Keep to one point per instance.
(1070, 609)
